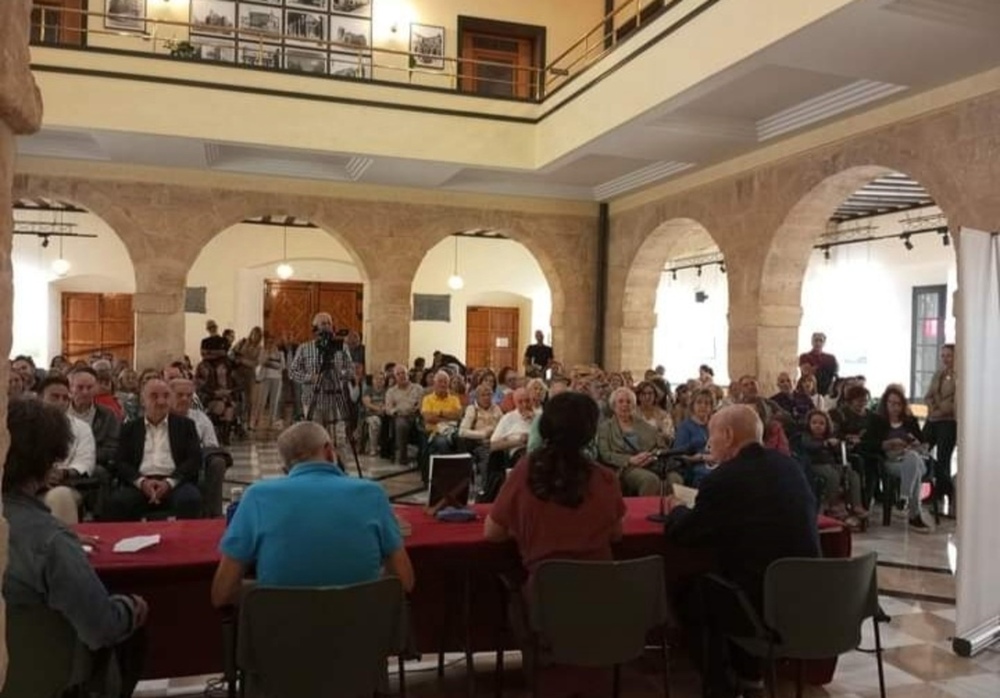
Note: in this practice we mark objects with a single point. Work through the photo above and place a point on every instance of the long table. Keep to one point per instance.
(455, 570)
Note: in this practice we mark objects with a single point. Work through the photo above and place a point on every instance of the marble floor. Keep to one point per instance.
(917, 590)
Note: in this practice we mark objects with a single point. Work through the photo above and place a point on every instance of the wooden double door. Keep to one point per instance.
(491, 337)
(97, 323)
(289, 307)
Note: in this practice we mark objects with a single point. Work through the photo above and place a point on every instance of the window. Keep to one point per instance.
(50, 25)
(500, 59)
(930, 306)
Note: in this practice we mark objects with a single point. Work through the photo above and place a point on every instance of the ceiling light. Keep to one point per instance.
(60, 266)
(284, 270)
(455, 282)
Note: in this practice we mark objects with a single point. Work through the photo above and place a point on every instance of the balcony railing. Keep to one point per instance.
(355, 58)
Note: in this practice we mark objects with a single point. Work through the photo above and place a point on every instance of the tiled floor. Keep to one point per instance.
(919, 662)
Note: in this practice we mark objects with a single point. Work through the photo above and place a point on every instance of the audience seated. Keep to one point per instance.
(376, 433)
(897, 434)
(649, 410)
(216, 390)
(796, 404)
(59, 493)
(513, 429)
(215, 460)
(692, 436)
(441, 410)
(754, 508)
(629, 446)
(402, 405)
(158, 462)
(47, 565)
(102, 420)
(478, 424)
(840, 491)
(315, 527)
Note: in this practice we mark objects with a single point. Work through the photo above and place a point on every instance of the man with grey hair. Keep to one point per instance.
(753, 509)
(327, 376)
(441, 411)
(316, 527)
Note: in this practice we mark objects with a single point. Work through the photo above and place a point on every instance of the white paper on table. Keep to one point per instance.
(687, 495)
(136, 543)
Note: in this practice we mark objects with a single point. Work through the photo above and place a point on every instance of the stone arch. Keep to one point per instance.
(669, 240)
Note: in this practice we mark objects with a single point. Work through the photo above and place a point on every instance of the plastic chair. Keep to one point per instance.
(813, 609)
(38, 631)
(572, 622)
(330, 641)
(890, 491)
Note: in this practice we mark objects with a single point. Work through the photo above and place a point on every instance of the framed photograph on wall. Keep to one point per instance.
(352, 32)
(357, 8)
(301, 25)
(426, 46)
(302, 60)
(259, 18)
(314, 5)
(213, 16)
(256, 55)
(219, 50)
(349, 65)
(126, 15)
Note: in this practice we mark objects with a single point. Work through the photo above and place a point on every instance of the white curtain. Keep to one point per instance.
(978, 574)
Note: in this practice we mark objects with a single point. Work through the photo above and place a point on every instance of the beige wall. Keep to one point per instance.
(766, 220)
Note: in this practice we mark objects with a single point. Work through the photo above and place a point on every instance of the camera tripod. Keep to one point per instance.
(332, 387)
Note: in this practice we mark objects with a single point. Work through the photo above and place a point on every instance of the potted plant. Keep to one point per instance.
(184, 50)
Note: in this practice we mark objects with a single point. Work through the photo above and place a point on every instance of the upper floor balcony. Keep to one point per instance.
(568, 98)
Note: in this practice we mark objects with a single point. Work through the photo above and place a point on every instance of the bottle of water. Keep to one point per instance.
(236, 494)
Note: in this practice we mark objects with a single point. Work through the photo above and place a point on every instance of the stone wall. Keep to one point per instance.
(20, 112)
(164, 227)
(766, 222)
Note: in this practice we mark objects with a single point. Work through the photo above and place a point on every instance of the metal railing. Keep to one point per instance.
(256, 48)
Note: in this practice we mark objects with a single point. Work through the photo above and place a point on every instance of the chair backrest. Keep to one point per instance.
(33, 633)
(597, 613)
(330, 641)
(816, 605)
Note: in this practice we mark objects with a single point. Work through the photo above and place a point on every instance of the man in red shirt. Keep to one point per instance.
(825, 366)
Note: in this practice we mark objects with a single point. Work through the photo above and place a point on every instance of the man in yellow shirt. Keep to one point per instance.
(441, 411)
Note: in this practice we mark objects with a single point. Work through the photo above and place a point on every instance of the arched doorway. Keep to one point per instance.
(490, 320)
(869, 255)
(73, 283)
(236, 280)
(675, 302)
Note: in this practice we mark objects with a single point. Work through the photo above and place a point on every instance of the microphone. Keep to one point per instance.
(669, 467)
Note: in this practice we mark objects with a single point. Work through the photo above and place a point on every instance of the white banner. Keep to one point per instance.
(978, 574)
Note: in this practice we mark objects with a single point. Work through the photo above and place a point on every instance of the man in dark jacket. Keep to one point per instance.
(755, 508)
(158, 461)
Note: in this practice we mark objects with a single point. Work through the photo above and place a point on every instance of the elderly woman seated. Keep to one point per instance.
(478, 423)
(650, 411)
(630, 446)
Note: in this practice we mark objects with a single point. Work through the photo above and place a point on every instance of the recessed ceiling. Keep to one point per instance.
(891, 193)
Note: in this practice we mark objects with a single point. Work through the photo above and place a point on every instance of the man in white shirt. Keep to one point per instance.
(61, 497)
(511, 434)
(158, 462)
(102, 421)
(215, 459)
(402, 404)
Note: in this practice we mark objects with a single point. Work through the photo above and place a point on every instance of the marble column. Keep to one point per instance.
(20, 114)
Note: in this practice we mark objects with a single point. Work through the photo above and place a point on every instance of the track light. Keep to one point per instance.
(674, 274)
(722, 267)
(45, 241)
(946, 239)
(906, 241)
(698, 268)
(826, 253)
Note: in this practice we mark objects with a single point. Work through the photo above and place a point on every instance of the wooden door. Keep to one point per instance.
(289, 307)
(505, 70)
(97, 323)
(491, 337)
(49, 25)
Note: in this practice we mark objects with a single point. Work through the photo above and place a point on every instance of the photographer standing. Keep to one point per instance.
(326, 373)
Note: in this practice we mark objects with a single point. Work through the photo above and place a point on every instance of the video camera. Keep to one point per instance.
(326, 347)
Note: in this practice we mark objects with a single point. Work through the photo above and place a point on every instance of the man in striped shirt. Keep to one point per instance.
(327, 390)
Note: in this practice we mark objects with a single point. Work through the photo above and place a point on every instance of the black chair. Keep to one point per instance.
(813, 609)
(45, 658)
(331, 641)
(571, 621)
(890, 485)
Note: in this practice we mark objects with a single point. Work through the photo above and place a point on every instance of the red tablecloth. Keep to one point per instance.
(185, 635)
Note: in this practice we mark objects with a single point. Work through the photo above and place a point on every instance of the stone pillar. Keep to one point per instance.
(637, 331)
(387, 321)
(159, 313)
(20, 113)
(573, 338)
(763, 341)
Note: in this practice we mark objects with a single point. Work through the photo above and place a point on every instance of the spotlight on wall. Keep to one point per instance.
(906, 241)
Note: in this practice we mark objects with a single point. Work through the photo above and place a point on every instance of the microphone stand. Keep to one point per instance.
(678, 464)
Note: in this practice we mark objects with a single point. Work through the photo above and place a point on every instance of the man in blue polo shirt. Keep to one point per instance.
(316, 527)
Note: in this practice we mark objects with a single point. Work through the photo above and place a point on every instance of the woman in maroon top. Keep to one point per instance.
(557, 503)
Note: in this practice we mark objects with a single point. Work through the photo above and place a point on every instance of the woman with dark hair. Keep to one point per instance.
(47, 565)
(556, 502)
(896, 433)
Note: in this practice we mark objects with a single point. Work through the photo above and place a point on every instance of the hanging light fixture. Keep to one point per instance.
(455, 282)
(284, 270)
(61, 266)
